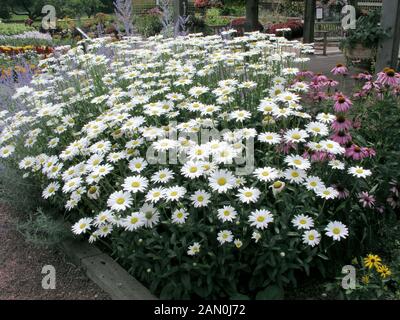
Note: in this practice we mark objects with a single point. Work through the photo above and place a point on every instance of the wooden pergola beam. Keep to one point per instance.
(309, 20)
(388, 51)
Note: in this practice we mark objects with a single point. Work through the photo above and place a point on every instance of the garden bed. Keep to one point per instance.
(207, 221)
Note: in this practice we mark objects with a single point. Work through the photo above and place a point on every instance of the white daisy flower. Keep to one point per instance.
(150, 214)
(359, 172)
(221, 181)
(260, 219)
(50, 190)
(82, 226)
(174, 193)
(247, 195)
(134, 221)
(225, 236)
(317, 129)
(135, 184)
(296, 135)
(227, 213)
(337, 164)
(327, 193)
(137, 164)
(179, 216)
(313, 183)
(119, 201)
(266, 174)
(336, 230)
(193, 249)
(200, 198)
(154, 195)
(302, 221)
(269, 137)
(192, 169)
(295, 175)
(311, 237)
(162, 176)
(297, 162)
(256, 236)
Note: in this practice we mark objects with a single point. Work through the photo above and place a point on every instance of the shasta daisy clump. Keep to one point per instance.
(116, 134)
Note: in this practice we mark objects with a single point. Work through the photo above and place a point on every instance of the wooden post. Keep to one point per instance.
(325, 42)
(388, 51)
(251, 15)
(309, 21)
(180, 8)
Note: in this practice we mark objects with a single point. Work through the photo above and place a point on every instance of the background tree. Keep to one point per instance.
(31, 8)
(5, 11)
(252, 15)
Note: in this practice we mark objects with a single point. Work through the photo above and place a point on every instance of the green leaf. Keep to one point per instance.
(239, 296)
(322, 256)
(185, 278)
(272, 292)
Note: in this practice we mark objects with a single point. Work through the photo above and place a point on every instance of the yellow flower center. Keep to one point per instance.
(221, 181)
(134, 220)
(120, 200)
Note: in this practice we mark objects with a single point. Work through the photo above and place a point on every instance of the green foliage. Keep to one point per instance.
(148, 25)
(22, 194)
(42, 229)
(368, 32)
(5, 12)
(291, 8)
(371, 283)
(9, 29)
(21, 42)
(213, 18)
(233, 10)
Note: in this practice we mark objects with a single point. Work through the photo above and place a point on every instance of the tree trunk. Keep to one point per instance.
(251, 15)
(180, 8)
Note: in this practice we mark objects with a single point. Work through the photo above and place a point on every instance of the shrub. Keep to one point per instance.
(296, 29)
(9, 29)
(240, 25)
(148, 25)
(213, 18)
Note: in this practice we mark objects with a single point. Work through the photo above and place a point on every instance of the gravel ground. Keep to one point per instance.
(21, 265)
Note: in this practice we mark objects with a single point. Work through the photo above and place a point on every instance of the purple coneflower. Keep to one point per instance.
(367, 200)
(363, 76)
(332, 83)
(341, 137)
(341, 123)
(339, 69)
(388, 77)
(305, 73)
(343, 192)
(357, 153)
(342, 103)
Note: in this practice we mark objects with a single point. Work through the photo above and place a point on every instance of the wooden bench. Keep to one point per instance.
(327, 32)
